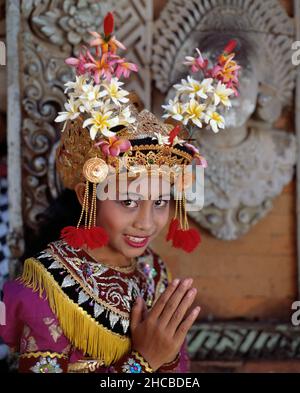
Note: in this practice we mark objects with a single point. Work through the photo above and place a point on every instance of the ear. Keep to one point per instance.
(80, 190)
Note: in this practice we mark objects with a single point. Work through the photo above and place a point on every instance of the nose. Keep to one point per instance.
(144, 218)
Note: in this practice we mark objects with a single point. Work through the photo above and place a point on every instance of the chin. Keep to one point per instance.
(130, 252)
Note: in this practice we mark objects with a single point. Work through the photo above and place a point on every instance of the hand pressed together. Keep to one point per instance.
(158, 334)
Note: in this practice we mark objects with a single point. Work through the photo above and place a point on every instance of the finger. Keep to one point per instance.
(136, 313)
(162, 300)
(184, 327)
(181, 310)
(174, 301)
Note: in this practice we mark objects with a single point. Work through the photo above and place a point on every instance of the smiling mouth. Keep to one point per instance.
(137, 239)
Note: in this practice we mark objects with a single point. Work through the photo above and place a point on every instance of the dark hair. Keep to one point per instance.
(63, 211)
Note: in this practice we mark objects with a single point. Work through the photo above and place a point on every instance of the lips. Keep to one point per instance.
(136, 241)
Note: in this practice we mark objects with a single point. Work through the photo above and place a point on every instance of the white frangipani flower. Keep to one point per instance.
(221, 94)
(162, 139)
(174, 109)
(125, 117)
(101, 121)
(90, 97)
(199, 89)
(194, 88)
(194, 112)
(71, 113)
(214, 119)
(177, 141)
(76, 85)
(183, 87)
(114, 92)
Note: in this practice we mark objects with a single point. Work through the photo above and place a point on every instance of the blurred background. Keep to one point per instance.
(247, 267)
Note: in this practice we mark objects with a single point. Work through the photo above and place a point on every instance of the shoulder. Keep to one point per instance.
(23, 301)
(16, 292)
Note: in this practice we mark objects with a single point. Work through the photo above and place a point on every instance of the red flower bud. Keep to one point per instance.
(108, 24)
(174, 133)
(230, 46)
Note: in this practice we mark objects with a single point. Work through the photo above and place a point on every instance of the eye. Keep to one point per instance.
(129, 203)
(161, 203)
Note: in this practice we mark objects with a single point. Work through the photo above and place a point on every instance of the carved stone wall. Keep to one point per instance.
(249, 163)
(238, 341)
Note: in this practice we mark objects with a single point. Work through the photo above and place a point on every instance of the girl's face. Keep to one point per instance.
(134, 219)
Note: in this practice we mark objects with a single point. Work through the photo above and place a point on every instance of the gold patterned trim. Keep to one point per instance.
(143, 361)
(43, 354)
(85, 366)
(125, 269)
(84, 332)
(57, 258)
(162, 147)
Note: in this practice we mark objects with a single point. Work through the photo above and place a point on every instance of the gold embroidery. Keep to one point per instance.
(43, 354)
(127, 269)
(85, 366)
(143, 361)
(86, 288)
(54, 329)
(28, 343)
(67, 349)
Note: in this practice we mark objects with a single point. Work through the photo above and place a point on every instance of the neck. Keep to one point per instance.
(108, 256)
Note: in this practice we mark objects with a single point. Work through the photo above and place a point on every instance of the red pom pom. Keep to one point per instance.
(73, 236)
(187, 240)
(93, 238)
(96, 237)
(108, 24)
(172, 228)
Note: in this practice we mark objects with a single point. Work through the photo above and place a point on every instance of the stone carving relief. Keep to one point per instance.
(236, 341)
(52, 31)
(250, 162)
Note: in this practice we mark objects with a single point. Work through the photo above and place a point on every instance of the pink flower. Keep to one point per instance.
(107, 44)
(114, 146)
(192, 148)
(226, 70)
(124, 68)
(199, 160)
(197, 63)
(79, 63)
(102, 67)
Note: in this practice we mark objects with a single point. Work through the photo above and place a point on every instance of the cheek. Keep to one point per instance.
(110, 217)
(161, 217)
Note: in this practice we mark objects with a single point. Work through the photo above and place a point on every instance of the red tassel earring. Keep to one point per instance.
(180, 234)
(90, 235)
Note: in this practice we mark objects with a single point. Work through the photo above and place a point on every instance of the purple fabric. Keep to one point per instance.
(31, 326)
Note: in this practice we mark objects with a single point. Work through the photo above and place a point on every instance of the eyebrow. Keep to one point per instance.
(165, 196)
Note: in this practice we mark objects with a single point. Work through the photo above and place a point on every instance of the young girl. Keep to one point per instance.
(100, 299)
(92, 309)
